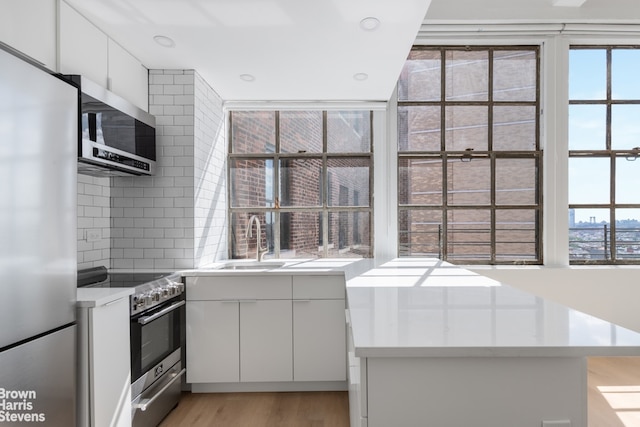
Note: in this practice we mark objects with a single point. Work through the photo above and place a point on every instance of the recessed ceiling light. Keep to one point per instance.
(247, 77)
(164, 41)
(361, 76)
(370, 23)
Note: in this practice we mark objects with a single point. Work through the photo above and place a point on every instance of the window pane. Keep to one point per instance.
(469, 234)
(516, 234)
(243, 245)
(420, 233)
(625, 64)
(516, 181)
(628, 234)
(589, 234)
(466, 127)
(627, 181)
(300, 182)
(348, 177)
(514, 75)
(420, 181)
(348, 132)
(300, 234)
(253, 131)
(587, 127)
(587, 74)
(420, 78)
(514, 128)
(467, 75)
(589, 180)
(301, 131)
(625, 126)
(251, 182)
(349, 235)
(419, 128)
(469, 183)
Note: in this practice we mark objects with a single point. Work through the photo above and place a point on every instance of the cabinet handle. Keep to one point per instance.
(149, 319)
(301, 300)
(144, 403)
(230, 301)
(248, 301)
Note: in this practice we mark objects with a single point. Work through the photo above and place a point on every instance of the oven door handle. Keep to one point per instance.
(146, 319)
(144, 404)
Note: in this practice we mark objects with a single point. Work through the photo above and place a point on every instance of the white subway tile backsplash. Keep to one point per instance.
(148, 222)
(155, 233)
(133, 253)
(143, 263)
(133, 232)
(161, 79)
(144, 243)
(164, 222)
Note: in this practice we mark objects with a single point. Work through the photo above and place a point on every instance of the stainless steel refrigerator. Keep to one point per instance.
(38, 260)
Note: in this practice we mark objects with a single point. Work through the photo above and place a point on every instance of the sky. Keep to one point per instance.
(589, 178)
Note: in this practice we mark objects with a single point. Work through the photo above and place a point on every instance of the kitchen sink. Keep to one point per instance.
(244, 265)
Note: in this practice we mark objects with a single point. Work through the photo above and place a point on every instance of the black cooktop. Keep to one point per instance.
(99, 277)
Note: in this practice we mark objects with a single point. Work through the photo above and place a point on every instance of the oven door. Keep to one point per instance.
(155, 334)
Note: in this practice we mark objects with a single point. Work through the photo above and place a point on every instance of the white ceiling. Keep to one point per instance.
(295, 49)
(308, 50)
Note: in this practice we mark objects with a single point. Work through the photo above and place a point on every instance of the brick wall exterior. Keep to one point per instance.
(468, 183)
(299, 181)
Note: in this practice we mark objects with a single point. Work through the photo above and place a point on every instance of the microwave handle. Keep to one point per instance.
(144, 404)
(146, 319)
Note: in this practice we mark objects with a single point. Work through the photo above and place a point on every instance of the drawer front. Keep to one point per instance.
(207, 288)
(319, 287)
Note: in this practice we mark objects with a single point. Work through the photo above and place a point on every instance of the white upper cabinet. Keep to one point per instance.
(86, 50)
(83, 47)
(127, 76)
(29, 26)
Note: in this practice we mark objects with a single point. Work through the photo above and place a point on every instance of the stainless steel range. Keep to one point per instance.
(157, 334)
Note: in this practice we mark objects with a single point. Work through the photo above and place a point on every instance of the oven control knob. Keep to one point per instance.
(157, 295)
(148, 298)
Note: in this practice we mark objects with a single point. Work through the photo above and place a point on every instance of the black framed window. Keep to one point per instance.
(469, 156)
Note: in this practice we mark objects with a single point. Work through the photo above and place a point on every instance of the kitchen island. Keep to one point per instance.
(431, 344)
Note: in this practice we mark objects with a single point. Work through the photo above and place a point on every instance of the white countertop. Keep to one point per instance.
(430, 308)
(322, 266)
(96, 297)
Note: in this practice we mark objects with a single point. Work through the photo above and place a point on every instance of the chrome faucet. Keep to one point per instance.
(260, 251)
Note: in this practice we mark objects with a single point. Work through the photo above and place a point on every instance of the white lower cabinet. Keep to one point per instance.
(265, 341)
(213, 341)
(319, 352)
(266, 330)
(104, 363)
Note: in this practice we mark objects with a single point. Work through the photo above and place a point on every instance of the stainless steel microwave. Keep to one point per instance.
(115, 138)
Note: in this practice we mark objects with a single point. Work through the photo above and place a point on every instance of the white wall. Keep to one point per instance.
(611, 293)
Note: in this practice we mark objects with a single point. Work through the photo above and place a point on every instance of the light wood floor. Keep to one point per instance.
(614, 391)
(310, 409)
(613, 396)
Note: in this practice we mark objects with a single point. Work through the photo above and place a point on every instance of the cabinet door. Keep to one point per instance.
(319, 340)
(265, 341)
(83, 47)
(213, 341)
(110, 361)
(128, 77)
(30, 27)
